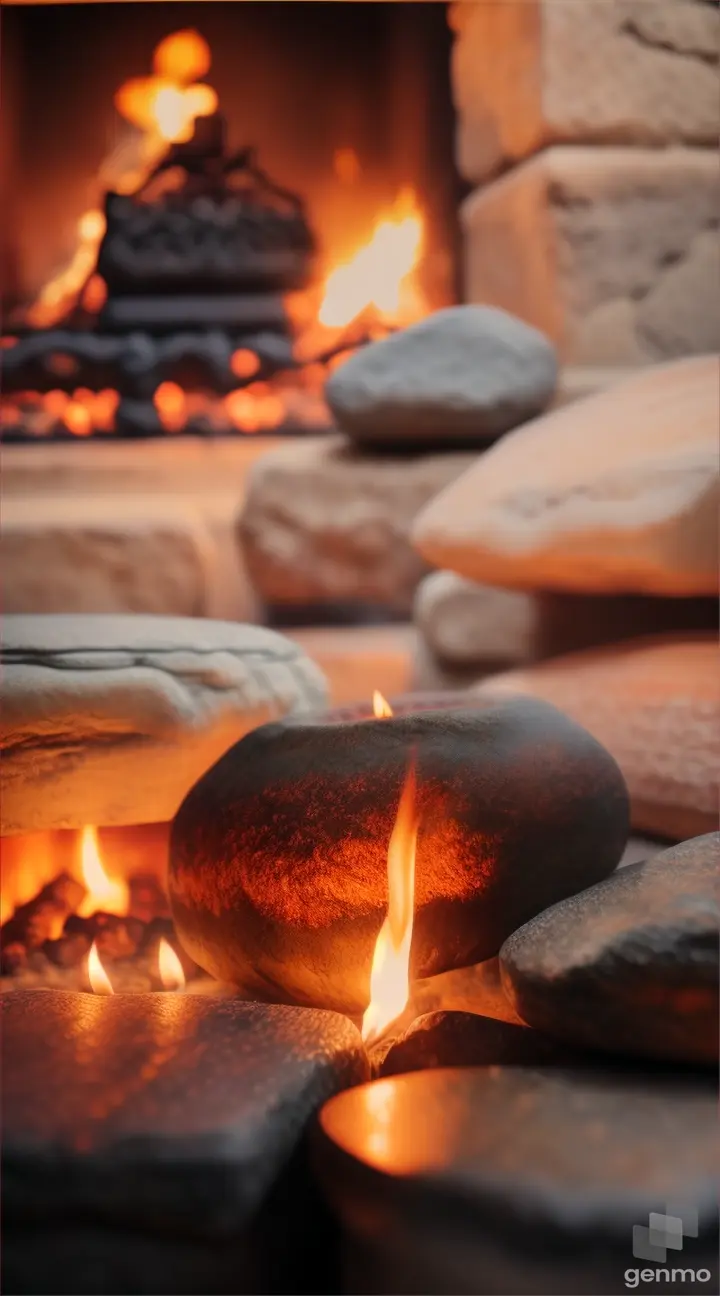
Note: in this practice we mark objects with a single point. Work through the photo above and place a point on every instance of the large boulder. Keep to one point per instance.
(462, 376)
(614, 494)
(631, 964)
(324, 523)
(655, 704)
(278, 858)
(111, 719)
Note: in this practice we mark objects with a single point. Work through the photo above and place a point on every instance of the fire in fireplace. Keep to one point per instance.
(204, 294)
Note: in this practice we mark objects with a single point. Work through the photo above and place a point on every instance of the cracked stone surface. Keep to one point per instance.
(111, 719)
(609, 251)
(614, 494)
(532, 74)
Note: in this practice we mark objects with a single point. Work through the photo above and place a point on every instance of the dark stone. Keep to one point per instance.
(513, 1182)
(278, 857)
(459, 1039)
(164, 1130)
(463, 376)
(631, 965)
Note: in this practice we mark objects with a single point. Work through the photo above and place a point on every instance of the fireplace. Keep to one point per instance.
(186, 253)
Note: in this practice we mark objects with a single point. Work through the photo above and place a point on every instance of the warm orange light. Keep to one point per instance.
(244, 363)
(390, 974)
(184, 56)
(346, 165)
(170, 403)
(100, 982)
(104, 894)
(378, 275)
(381, 707)
(171, 971)
(58, 293)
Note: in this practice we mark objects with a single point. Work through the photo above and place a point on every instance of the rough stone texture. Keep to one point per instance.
(464, 623)
(278, 856)
(505, 1180)
(612, 253)
(531, 74)
(179, 1120)
(451, 1039)
(110, 720)
(653, 703)
(631, 965)
(325, 522)
(462, 376)
(615, 494)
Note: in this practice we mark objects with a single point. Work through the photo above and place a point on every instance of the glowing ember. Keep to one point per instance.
(381, 707)
(379, 274)
(171, 972)
(167, 104)
(100, 982)
(390, 978)
(104, 894)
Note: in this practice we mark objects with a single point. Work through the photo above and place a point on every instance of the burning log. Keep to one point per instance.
(41, 919)
(278, 859)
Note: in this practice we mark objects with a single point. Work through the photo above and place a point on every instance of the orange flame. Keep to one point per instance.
(171, 971)
(390, 974)
(99, 980)
(381, 707)
(167, 104)
(109, 895)
(58, 294)
(379, 273)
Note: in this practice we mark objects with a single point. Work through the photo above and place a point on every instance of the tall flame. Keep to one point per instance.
(171, 970)
(390, 975)
(110, 895)
(381, 707)
(378, 274)
(99, 980)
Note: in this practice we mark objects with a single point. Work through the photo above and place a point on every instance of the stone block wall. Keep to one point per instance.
(590, 132)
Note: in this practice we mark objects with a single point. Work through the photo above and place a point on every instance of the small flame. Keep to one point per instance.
(378, 274)
(390, 975)
(171, 971)
(109, 895)
(381, 707)
(166, 104)
(58, 294)
(99, 980)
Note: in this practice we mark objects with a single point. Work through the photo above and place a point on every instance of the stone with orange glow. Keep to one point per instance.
(280, 854)
(630, 965)
(464, 375)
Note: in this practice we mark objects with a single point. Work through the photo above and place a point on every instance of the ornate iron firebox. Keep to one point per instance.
(195, 271)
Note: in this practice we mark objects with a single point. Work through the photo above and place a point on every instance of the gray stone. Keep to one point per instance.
(155, 1133)
(111, 719)
(462, 376)
(278, 856)
(655, 704)
(630, 965)
(453, 1039)
(323, 522)
(616, 494)
(483, 1180)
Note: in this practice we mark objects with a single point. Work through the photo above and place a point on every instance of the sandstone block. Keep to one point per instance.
(655, 704)
(614, 494)
(531, 74)
(324, 522)
(110, 720)
(609, 252)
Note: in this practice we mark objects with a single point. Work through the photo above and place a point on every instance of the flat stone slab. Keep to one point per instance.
(172, 1117)
(111, 719)
(630, 965)
(512, 1180)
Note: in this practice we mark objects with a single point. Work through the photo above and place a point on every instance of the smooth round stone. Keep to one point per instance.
(630, 965)
(462, 376)
(278, 857)
(453, 1039)
(506, 1181)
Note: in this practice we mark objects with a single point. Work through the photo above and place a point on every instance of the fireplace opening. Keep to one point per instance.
(216, 211)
